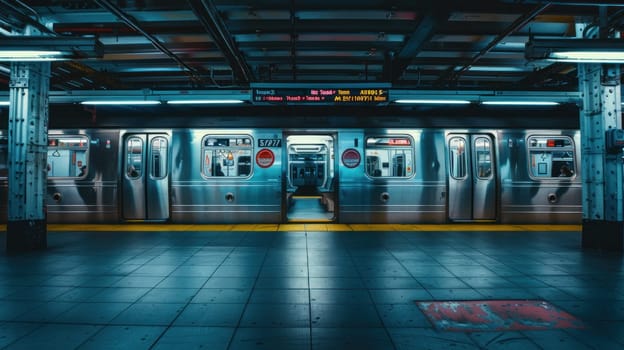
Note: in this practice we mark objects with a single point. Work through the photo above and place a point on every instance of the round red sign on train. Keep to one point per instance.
(265, 158)
(351, 158)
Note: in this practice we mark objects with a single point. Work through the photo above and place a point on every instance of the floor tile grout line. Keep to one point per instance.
(394, 247)
(311, 345)
(191, 298)
(103, 326)
(375, 306)
(253, 287)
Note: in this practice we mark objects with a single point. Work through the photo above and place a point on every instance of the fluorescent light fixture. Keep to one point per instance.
(4, 103)
(428, 101)
(576, 50)
(196, 102)
(121, 102)
(30, 55)
(52, 48)
(496, 69)
(520, 103)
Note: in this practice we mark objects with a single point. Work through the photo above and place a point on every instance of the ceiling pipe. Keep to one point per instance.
(24, 19)
(133, 23)
(453, 74)
(209, 17)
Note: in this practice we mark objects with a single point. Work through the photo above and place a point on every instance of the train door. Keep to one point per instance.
(310, 179)
(472, 177)
(145, 176)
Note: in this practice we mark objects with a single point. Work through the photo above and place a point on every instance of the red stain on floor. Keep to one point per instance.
(497, 315)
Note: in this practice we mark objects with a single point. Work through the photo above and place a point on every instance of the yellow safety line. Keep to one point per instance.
(309, 221)
(307, 227)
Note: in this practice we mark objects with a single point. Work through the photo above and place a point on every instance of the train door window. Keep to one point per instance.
(389, 156)
(67, 156)
(457, 158)
(159, 157)
(134, 160)
(226, 156)
(483, 157)
(551, 157)
(4, 157)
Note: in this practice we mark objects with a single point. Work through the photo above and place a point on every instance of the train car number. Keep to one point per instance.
(269, 142)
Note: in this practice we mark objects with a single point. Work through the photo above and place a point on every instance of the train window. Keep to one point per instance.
(227, 155)
(67, 156)
(551, 157)
(134, 157)
(483, 156)
(4, 157)
(389, 156)
(457, 158)
(159, 157)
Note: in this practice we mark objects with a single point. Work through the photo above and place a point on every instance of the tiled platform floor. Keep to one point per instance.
(299, 290)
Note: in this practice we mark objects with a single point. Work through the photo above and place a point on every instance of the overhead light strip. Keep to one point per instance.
(128, 102)
(30, 55)
(588, 57)
(576, 50)
(431, 101)
(190, 102)
(520, 103)
(48, 48)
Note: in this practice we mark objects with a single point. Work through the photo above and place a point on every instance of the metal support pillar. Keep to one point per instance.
(600, 87)
(28, 144)
(603, 222)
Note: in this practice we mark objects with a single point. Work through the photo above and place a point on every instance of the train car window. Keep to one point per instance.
(67, 156)
(483, 156)
(551, 157)
(159, 157)
(389, 156)
(134, 157)
(227, 156)
(4, 157)
(457, 158)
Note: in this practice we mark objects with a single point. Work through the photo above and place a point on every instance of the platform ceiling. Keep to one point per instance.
(230, 44)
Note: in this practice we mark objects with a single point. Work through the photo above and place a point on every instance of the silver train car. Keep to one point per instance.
(343, 175)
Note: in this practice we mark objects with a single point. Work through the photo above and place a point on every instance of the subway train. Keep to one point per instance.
(288, 174)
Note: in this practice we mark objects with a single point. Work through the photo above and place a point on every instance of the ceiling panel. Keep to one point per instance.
(152, 44)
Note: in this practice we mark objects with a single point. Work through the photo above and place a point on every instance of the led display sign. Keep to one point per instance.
(338, 96)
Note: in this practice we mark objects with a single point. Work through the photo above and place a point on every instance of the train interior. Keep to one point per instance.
(310, 193)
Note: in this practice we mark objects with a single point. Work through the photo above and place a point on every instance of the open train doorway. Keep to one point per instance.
(145, 176)
(310, 179)
(472, 177)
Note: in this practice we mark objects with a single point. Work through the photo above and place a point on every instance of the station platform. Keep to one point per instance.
(312, 286)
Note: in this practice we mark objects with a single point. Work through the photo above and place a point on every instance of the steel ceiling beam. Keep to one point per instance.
(453, 75)
(77, 96)
(17, 19)
(134, 24)
(395, 66)
(209, 17)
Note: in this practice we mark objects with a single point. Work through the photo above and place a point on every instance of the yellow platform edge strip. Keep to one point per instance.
(307, 227)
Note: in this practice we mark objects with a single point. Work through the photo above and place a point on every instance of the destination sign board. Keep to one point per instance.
(339, 96)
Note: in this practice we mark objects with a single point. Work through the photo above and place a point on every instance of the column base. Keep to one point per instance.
(26, 235)
(603, 235)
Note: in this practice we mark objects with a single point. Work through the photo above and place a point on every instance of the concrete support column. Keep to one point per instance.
(603, 222)
(28, 148)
